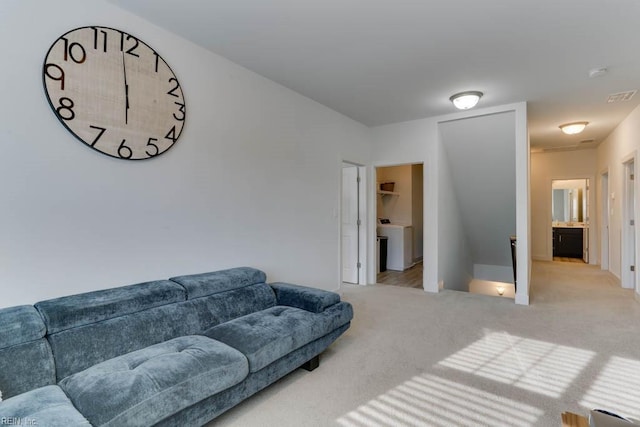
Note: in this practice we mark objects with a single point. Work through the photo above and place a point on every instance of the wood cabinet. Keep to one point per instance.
(567, 242)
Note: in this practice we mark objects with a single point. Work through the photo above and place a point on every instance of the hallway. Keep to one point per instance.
(549, 278)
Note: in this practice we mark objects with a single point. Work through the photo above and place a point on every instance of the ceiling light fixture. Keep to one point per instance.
(573, 128)
(466, 100)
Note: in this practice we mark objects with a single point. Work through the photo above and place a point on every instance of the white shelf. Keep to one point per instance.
(388, 193)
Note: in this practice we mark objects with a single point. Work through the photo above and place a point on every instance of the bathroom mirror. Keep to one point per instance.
(568, 200)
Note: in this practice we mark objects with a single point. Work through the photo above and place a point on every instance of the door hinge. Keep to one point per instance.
(632, 222)
(359, 222)
(632, 177)
(358, 179)
(633, 268)
(359, 265)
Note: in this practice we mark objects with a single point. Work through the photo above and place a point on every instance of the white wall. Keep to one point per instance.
(405, 143)
(545, 167)
(417, 214)
(254, 179)
(398, 208)
(481, 155)
(621, 145)
(455, 263)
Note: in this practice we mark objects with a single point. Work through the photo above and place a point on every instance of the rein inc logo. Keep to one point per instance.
(18, 421)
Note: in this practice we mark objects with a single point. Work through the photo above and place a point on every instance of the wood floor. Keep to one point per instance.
(566, 259)
(410, 278)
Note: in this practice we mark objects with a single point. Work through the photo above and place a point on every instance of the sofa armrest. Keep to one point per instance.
(310, 299)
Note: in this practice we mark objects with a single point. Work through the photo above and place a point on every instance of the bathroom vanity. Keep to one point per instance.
(568, 241)
(570, 219)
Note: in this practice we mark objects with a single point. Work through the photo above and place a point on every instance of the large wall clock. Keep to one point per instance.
(114, 92)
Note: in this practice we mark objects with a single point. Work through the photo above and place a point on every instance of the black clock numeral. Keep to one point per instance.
(157, 60)
(173, 89)
(124, 151)
(74, 50)
(180, 110)
(172, 134)
(96, 37)
(156, 150)
(59, 78)
(130, 51)
(66, 106)
(99, 134)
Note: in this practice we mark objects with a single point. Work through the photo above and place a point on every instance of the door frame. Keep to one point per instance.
(363, 214)
(591, 214)
(605, 215)
(374, 212)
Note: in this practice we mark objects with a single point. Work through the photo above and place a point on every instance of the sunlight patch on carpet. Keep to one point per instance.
(428, 400)
(616, 389)
(532, 365)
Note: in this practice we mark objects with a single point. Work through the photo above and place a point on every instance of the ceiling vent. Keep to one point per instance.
(587, 141)
(563, 148)
(621, 96)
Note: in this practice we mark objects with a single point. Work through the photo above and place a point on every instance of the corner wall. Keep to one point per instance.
(254, 179)
(621, 145)
(419, 141)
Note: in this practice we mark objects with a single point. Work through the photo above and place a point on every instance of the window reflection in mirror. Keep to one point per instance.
(569, 200)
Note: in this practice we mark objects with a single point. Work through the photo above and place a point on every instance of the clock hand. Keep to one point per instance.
(126, 91)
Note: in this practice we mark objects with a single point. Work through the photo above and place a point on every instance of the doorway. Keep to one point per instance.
(399, 228)
(628, 227)
(570, 220)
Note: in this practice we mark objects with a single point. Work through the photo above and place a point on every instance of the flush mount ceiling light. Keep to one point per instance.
(466, 100)
(573, 128)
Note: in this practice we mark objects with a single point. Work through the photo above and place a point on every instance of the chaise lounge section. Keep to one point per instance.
(168, 352)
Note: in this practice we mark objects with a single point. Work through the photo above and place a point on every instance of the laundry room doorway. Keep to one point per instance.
(399, 228)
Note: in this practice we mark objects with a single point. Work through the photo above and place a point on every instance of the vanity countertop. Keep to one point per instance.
(557, 224)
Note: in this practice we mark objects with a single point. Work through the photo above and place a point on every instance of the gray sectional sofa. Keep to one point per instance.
(170, 352)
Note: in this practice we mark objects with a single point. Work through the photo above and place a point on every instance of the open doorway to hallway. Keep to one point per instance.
(399, 230)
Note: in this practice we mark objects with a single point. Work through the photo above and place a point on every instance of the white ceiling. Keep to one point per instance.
(386, 61)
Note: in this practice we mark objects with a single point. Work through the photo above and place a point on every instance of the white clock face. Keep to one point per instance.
(114, 93)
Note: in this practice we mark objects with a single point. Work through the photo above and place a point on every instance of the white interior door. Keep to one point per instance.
(604, 240)
(587, 223)
(350, 225)
(628, 229)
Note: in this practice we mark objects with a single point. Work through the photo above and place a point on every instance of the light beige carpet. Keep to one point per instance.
(458, 359)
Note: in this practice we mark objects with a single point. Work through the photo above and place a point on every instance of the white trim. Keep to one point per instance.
(629, 279)
(604, 224)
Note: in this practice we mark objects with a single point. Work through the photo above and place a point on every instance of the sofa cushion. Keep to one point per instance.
(147, 385)
(310, 299)
(19, 325)
(200, 285)
(91, 307)
(79, 348)
(45, 406)
(270, 334)
(26, 361)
